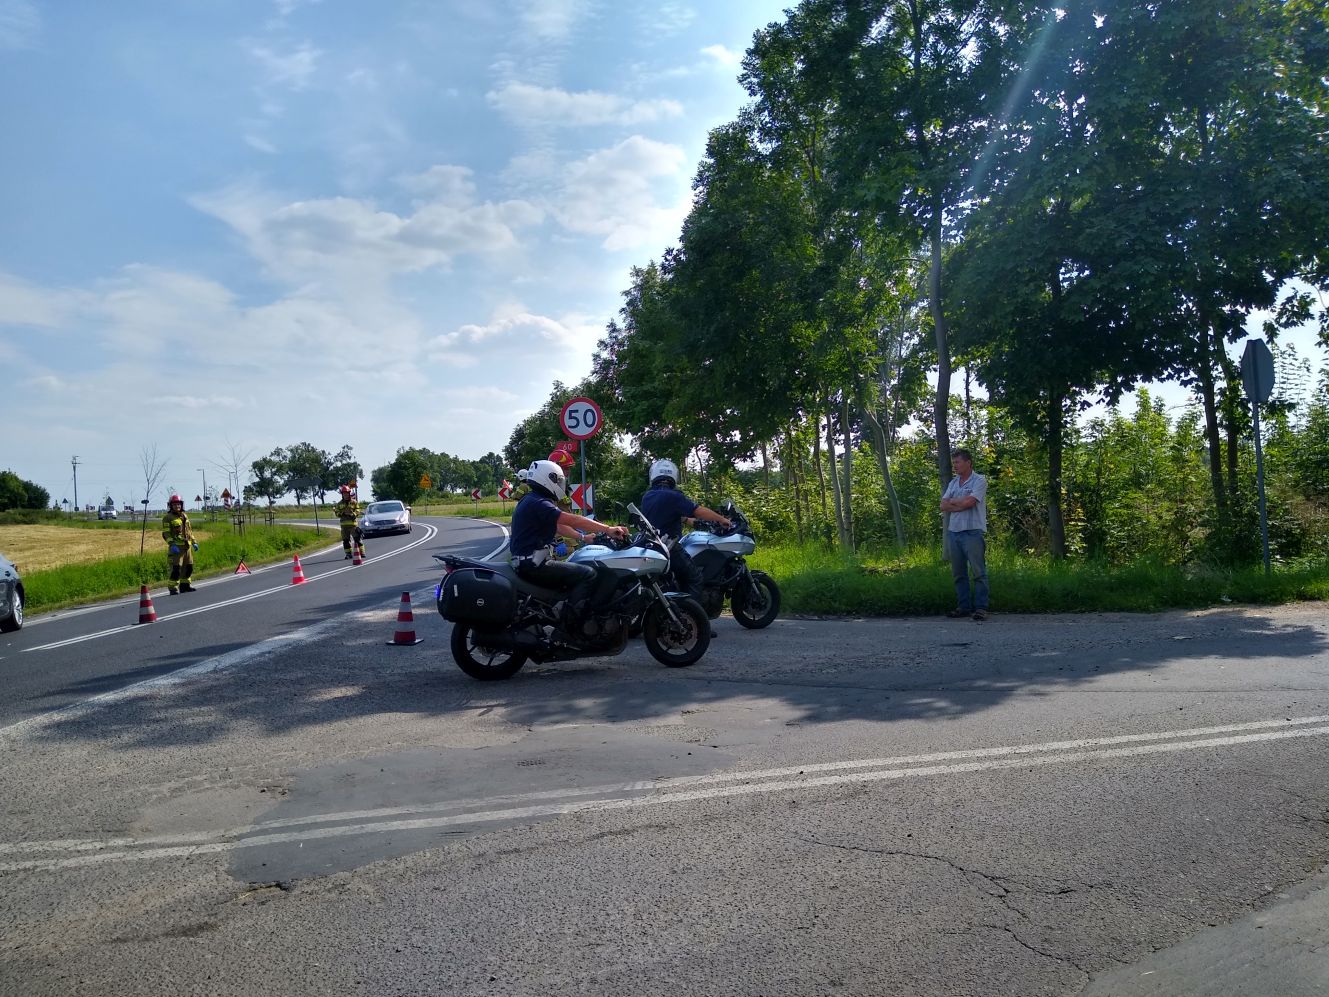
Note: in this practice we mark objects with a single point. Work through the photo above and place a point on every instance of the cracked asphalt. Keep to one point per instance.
(1098, 805)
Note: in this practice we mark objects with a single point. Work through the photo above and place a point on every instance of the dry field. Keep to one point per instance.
(34, 548)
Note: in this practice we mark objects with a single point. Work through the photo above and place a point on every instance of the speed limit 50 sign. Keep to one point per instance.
(580, 418)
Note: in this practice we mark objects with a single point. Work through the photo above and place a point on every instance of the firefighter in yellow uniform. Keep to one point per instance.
(348, 511)
(180, 543)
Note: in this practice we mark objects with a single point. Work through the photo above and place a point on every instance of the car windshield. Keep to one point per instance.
(378, 508)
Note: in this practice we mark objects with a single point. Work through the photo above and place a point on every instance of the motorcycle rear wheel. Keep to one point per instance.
(759, 605)
(488, 664)
(677, 645)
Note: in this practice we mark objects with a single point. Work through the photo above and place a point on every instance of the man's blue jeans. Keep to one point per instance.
(968, 553)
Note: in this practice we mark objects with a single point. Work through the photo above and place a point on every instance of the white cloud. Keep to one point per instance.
(23, 303)
(610, 193)
(531, 349)
(364, 78)
(351, 242)
(286, 7)
(724, 56)
(20, 24)
(551, 20)
(292, 69)
(196, 402)
(668, 18)
(479, 393)
(551, 106)
(445, 184)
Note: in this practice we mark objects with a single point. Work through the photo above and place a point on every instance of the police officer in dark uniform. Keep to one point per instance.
(665, 507)
(535, 524)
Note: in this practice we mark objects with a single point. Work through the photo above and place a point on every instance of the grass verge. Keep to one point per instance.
(219, 552)
(815, 581)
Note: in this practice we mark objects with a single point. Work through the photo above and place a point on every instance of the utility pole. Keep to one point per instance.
(74, 464)
(205, 488)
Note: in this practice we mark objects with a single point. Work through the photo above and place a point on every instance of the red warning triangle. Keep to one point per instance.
(240, 569)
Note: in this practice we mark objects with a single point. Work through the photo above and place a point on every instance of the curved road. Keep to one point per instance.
(63, 658)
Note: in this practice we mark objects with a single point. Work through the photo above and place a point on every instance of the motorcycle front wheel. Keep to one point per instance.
(677, 644)
(488, 664)
(758, 606)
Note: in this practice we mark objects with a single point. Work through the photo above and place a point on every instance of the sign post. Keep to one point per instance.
(1257, 377)
(475, 497)
(581, 419)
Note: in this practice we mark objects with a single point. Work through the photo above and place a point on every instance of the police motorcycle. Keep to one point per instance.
(501, 621)
(718, 557)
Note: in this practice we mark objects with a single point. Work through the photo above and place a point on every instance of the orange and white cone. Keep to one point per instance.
(358, 555)
(405, 635)
(297, 572)
(146, 612)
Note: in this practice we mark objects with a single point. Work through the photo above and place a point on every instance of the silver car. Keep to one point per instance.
(11, 596)
(391, 516)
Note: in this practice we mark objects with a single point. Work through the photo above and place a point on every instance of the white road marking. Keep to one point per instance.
(229, 602)
(241, 656)
(663, 792)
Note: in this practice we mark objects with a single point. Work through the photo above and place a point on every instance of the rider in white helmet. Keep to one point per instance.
(666, 508)
(536, 523)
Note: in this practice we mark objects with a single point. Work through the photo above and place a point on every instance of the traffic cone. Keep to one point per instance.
(358, 557)
(405, 635)
(242, 569)
(297, 572)
(146, 612)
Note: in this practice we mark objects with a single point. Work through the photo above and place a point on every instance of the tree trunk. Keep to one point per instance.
(835, 482)
(879, 447)
(793, 474)
(765, 465)
(941, 405)
(1056, 442)
(848, 491)
(1205, 370)
(816, 459)
(1231, 403)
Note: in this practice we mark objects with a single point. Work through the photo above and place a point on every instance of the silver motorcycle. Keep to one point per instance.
(501, 621)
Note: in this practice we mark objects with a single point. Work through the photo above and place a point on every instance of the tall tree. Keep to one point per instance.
(1215, 112)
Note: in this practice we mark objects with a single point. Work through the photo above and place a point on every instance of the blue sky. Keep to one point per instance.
(228, 225)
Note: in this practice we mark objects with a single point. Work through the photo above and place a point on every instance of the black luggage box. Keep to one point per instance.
(476, 595)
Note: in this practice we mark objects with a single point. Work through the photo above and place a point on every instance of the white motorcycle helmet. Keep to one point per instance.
(549, 476)
(664, 469)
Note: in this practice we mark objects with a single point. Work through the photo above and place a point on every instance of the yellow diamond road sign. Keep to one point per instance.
(424, 481)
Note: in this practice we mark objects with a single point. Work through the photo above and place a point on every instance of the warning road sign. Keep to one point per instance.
(583, 497)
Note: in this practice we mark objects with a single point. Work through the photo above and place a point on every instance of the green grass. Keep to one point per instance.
(219, 552)
(820, 582)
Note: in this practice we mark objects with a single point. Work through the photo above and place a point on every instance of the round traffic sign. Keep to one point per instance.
(580, 418)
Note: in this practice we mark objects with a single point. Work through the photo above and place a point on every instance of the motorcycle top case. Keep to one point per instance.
(475, 595)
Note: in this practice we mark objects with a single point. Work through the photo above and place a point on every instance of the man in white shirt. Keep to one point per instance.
(965, 499)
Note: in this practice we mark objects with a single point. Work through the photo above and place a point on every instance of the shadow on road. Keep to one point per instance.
(823, 671)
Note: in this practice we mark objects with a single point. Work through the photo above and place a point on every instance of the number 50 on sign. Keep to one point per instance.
(580, 418)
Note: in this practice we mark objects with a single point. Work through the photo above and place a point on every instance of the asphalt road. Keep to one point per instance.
(65, 657)
(1101, 805)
